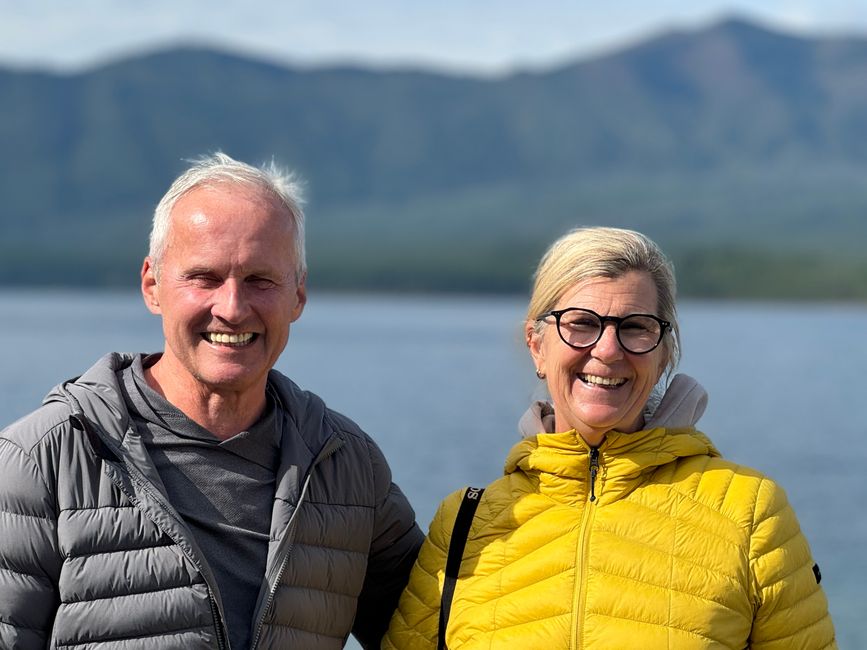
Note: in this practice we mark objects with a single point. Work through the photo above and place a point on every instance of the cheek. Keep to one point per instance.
(649, 371)
(186, 308)
(555, 351)
(562, 368)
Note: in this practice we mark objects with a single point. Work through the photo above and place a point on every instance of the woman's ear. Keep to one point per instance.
(533, 339)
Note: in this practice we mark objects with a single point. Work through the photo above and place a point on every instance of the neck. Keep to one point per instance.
(223, 413)
(593, 439)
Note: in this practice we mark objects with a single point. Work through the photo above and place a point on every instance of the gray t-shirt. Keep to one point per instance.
(224, 490)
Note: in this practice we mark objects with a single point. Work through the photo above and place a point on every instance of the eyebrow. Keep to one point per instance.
(195, 270)
(256, 272)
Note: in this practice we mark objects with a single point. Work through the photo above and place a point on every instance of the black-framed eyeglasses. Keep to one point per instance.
(580, 328)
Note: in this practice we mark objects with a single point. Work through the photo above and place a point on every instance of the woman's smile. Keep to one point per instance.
(602, 382)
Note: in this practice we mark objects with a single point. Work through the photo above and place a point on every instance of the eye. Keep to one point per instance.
(634, 326)
(579, 321)
(204, 280)
(639, 325)
(260, 282)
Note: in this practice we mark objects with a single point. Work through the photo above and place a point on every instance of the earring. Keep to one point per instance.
(539, 373)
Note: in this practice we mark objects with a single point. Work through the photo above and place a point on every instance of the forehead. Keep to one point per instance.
(235, 207)
(230, 223)
(632, 292)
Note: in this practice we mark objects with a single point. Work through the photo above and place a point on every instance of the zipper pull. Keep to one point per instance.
(594, 471)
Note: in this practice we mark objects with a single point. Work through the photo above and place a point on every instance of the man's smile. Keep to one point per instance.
(232, 340)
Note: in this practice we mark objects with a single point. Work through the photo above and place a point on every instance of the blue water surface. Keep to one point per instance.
(440, 383)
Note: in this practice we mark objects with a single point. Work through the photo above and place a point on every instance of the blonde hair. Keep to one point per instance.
(586, 253)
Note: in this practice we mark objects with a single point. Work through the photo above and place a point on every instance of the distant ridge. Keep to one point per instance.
(742, 150)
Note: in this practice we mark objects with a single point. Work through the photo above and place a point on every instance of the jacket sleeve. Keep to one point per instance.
(29, 557)
(415, 624)
(792, 610)
(394, 547)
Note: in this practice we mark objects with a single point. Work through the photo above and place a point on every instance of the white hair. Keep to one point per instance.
(275, 182)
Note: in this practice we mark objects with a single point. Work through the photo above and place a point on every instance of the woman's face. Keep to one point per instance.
(602, 387)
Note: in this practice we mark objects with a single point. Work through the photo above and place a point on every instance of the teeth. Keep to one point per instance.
(229, 339)
(602, 381)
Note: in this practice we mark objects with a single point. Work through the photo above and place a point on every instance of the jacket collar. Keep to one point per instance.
(560, 461)
(97, 396)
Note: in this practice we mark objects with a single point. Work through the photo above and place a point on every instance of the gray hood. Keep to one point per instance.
(95, 398)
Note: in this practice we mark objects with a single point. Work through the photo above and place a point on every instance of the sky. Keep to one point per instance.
(470, 36)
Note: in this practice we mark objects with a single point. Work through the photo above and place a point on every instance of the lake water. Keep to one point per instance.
(440, 383)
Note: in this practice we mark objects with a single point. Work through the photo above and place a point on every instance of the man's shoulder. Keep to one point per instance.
(310, 412)
(51, 419)
(93, 394)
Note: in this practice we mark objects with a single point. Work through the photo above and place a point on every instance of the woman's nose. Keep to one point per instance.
(608, 346)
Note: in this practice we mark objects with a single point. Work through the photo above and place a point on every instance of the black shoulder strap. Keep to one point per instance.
(463, 520)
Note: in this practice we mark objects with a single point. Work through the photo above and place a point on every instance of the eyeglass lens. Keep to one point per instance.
(636, 333)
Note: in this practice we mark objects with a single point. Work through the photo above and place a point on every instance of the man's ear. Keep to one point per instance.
(301, 299)
(149, 286)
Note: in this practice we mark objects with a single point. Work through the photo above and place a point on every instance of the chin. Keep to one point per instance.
(611, 422)
(234, 379)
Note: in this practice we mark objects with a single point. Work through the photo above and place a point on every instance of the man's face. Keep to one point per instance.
(226, 290)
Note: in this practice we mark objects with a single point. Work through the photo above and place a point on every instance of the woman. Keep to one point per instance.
(617, 524)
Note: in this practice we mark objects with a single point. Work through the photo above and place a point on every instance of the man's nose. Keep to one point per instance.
(230, 302)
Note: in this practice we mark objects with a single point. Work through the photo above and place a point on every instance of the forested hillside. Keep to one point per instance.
(743, 151)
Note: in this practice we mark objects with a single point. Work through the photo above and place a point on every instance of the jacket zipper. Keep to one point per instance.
(287, 539)
(216, 612)
(218, 620)
(580, 597)
(594, 471)
(136, 476)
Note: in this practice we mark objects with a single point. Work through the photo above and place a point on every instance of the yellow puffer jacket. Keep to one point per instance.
(670, 547)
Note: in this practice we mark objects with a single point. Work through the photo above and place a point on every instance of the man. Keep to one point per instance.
(197, 498)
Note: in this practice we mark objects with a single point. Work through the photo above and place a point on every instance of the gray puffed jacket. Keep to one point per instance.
(93, 557)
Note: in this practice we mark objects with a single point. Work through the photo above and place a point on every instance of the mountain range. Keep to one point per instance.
(741, 149)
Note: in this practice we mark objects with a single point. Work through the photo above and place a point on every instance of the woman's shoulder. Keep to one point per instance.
(494, 499)
(738, 492)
